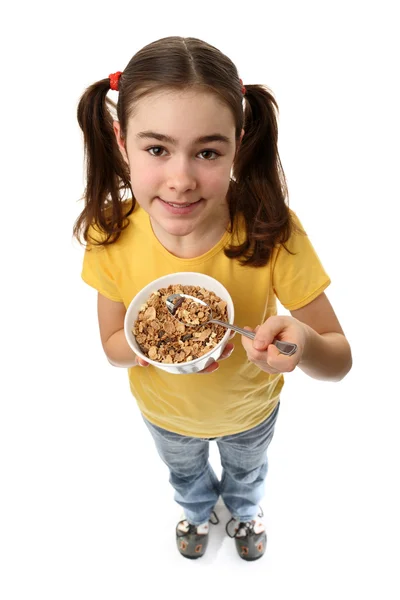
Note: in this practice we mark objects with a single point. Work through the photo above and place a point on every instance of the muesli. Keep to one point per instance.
(163, 338)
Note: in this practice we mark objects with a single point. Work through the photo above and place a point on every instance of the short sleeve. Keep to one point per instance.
(298, 278)
(98, 273)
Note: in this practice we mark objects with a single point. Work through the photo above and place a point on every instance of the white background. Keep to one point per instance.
(86, 510)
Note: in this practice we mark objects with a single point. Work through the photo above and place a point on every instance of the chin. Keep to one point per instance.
(177, 229)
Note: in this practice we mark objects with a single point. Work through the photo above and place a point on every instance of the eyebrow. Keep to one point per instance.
(205, 139)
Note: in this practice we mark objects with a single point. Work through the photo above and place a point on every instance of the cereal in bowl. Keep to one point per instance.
(163, 338)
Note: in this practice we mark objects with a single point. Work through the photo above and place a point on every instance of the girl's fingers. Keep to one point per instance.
(141, 363)
(227, 351)
(225, 354)
(210, 369)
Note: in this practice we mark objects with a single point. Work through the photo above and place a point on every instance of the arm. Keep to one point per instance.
(323, 351)
(327, 353)
(111, 323)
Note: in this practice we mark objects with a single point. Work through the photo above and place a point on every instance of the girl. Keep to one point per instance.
(188, 178)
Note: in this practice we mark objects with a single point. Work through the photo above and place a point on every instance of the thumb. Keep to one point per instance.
(266, 333)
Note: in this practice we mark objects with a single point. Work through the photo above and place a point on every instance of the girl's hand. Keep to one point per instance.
(225, 354)
(262, 352)
(140, 362)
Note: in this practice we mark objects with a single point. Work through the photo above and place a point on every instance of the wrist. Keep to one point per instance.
(125, 365)
(326, 356)
(310, 338)
(118, 351)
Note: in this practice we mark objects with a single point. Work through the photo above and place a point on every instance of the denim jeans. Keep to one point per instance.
(244, 469)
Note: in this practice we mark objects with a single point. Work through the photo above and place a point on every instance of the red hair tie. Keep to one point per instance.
(243, 87)
(114, 80)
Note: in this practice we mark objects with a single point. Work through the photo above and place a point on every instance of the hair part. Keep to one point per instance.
(258, 189)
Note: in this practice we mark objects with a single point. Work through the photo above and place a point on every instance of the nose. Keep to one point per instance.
(180, 176)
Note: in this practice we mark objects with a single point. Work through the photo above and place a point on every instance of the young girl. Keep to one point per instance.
(188, 178)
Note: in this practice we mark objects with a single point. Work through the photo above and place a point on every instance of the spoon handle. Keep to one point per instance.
(286, 348)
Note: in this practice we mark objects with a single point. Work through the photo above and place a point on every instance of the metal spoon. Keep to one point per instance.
(284, 347)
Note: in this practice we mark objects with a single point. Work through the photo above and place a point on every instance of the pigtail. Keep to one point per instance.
(259, 189)
(106, 171)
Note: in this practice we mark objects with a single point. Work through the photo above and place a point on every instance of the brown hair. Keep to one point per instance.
(258, 187)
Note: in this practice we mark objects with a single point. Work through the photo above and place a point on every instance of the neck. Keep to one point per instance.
(195, 243)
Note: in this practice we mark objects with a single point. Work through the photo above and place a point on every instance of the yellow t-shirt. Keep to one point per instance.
(238, 396)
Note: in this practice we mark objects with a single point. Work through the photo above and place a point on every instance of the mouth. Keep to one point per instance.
(180, 204)
(180, 208)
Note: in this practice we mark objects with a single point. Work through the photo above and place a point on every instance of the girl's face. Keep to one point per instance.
(180, 148)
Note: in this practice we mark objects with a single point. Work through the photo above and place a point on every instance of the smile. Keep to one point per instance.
(180, 208)
(178, 204)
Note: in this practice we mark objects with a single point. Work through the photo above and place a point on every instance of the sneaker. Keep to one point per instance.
(250, 537)
(192, 540)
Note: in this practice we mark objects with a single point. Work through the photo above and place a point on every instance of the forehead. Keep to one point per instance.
(182, 114)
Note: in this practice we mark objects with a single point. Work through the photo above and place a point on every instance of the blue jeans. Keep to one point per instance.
(244, 469)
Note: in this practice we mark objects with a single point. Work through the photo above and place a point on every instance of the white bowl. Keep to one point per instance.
(185, 278)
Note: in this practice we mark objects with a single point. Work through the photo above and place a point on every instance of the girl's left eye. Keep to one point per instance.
(158, 151)
(210, 152)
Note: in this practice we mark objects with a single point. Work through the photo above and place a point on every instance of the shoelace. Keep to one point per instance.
(193, 528)
(248, 526)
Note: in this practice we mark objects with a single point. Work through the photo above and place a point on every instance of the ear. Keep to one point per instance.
(120, 140)
(239, 142)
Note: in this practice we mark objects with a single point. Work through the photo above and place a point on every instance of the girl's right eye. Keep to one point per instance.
(155, 148)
